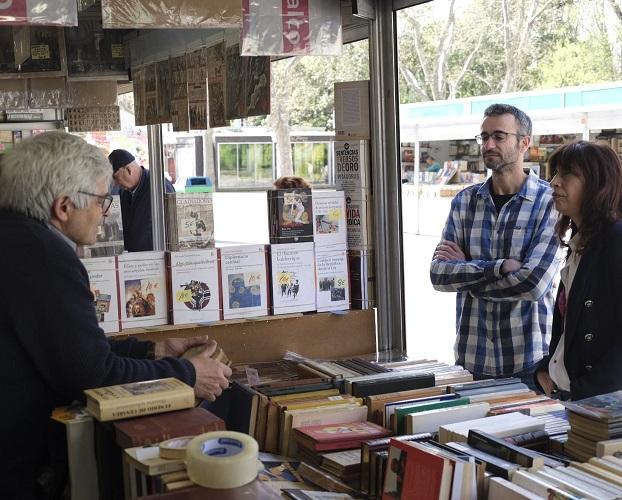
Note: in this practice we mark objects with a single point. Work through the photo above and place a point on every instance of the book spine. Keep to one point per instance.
(504, 450)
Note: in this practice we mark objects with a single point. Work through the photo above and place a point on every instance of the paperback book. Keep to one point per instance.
(102, 273)
(293, 280)
(138, 398)
(333, 280)
(290, 215)
(142, 289)
(244, 284)
(329, 219)
(194, 286)
(190, 221)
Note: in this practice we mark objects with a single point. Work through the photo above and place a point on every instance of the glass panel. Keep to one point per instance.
(227, 165)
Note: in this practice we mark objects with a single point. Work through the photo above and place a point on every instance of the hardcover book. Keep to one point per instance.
(604, 407)
(153, 429)
(333, 280)
(138, 398)
(329, 219)
(362, 279)
(244, 281)
(338, 436)
(142, 289)
(103, 281)
(190, 221)
(194, 286)
(293, 278)
(290, 215)
(109, 239)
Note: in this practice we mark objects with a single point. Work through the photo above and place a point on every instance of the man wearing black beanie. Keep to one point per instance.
(133, 181)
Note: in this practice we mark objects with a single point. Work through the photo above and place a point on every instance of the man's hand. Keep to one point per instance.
(546, 382)
(448, 250)
(176, 347)
(212, 377)
(510, 266)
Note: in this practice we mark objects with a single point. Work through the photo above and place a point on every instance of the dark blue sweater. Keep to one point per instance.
(51, 347)
(136, 213)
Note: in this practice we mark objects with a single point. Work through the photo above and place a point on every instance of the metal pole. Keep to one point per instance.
(387, 179)
(156, 169)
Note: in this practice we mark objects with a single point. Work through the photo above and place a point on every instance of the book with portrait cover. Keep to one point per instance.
(103, 281)
(244, 283)
(190, 221)
(290, 215)
(293, 278)
(333, 280)
(138, 398)
(109, 239)
(194, 286)
(329, 218)
(142, 289)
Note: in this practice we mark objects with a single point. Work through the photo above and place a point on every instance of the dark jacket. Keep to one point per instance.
(136, 214)
(593, 343)
(51, 347)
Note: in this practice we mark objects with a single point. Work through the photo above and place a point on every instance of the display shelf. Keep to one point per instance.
(316, 335)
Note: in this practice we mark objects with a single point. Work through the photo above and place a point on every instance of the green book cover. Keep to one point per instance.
(400, 413)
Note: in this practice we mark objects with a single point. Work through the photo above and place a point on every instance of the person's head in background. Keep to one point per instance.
(433, 165)
(291, 182)
(60, 179)
(587, 189)
(126, 171)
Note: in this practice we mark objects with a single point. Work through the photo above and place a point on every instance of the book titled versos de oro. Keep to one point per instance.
(138, 398)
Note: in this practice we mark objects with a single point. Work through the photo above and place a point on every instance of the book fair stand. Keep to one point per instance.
(311, 321)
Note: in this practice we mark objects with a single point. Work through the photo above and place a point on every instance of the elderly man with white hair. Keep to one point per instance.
(53, 195)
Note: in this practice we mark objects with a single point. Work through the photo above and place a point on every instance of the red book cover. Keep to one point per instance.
(412, 472)
(338, 436)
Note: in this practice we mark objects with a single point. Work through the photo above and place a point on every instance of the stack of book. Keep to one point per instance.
(594, 419)
(109, 240)
(189, 221)
(317, 438)
(498, 426)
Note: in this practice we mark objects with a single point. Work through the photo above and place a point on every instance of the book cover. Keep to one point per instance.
(604, 407)
(361, 265)
(194, 286)
(244, 281)
(359, 220)
(413, 472)
(138, 398)
(142, 289)
(293, 278)
(333, 280)
(109, 239)
(290, 215)
(352, 166)
(153, 429)
(102, 273)
(190, 218)
(329, 218)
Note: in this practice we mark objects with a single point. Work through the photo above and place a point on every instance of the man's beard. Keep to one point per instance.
(499, 164)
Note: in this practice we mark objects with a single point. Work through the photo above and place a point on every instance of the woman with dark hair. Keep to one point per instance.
(585, 354)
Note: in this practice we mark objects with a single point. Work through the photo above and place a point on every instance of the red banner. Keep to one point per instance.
(295, 17)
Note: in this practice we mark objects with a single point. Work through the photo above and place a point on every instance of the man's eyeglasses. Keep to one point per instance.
(497, 136)
(105, 200)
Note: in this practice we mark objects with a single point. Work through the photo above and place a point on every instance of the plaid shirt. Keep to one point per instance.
(503, 321)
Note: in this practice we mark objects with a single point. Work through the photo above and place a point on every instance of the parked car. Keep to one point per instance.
(195, 184)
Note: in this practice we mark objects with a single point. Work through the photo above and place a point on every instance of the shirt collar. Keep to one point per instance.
(62, 236)
(528, 190)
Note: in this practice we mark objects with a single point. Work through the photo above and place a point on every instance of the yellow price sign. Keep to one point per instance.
(39, 52)
(183, 296)
(340, 282)
(334, 214)
(117, 50)
(284, 278)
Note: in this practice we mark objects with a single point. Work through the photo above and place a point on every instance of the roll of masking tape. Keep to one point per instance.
(222, 459)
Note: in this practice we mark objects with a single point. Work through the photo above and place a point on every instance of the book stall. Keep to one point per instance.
(314, 409)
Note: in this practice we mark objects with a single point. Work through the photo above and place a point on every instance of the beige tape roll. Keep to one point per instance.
(222, 459)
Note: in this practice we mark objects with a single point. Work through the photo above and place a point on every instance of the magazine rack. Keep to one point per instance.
(316, 335)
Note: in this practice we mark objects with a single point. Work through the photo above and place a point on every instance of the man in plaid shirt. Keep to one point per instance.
(500, 253)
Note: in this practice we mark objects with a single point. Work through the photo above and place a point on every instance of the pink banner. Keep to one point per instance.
(39, 12)
(295, 17)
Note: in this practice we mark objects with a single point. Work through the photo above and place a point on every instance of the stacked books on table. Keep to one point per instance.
(594, 419)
